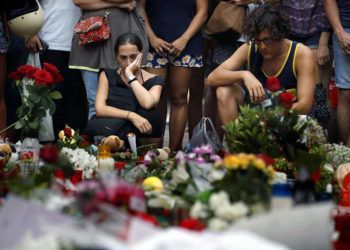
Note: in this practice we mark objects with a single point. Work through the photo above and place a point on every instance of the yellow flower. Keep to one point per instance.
(231, 162)
(152, 183)
(259, 163)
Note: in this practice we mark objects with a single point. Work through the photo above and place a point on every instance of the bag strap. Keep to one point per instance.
(207, 119)
(105, 16)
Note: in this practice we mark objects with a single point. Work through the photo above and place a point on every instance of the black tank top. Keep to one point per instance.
(286, 74)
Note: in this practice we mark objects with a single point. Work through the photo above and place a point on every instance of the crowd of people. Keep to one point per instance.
(158, 55)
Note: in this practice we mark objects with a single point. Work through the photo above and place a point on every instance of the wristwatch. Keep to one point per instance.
(131, 79)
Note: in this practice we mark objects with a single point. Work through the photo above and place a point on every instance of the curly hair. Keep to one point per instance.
(268, 17)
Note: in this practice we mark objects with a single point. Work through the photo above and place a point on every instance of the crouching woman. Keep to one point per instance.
(127, 97)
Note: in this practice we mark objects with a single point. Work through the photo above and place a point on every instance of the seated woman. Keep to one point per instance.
(126, 98)
(268, 54)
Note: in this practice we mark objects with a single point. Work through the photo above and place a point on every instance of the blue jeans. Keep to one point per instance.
(341, 64)
(90, 79)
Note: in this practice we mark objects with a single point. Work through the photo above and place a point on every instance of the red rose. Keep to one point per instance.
(286, 99)
(42, 77)
(59, 174)
(273, 84)
(148, 218)
(266, 158)
(68, 132)
(76, 177)
(16, 75)
(56, 76)
(27, 70)
(192, 224)
(49, 153)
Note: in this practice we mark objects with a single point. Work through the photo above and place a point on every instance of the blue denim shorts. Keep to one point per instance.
(3, 41)
(156, 61)
(310, 41)
(341, 64)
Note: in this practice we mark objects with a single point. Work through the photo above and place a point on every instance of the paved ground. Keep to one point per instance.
(166, 137)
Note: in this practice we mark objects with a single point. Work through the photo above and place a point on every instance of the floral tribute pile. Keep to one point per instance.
(196, 190)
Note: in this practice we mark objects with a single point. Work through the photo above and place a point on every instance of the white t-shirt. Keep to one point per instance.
(59, 20)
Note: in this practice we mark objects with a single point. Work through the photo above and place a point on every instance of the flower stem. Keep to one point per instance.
(12, 125)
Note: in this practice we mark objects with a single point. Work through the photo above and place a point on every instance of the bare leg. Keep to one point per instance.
(163, 102)
(195, 103)
(229, 99)
(211, 109)
(3, 114)
(179, 81)
(343, 115)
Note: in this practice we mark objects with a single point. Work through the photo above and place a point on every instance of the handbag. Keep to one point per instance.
(205, 134)
(227, 21)
(93, 29)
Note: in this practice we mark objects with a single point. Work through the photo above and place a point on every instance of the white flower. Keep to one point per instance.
(218, 199)
(199, 210)
(328, 167)
(160, 200)
(217, 224)
(179, 175)
(279, 178)
(81, 160)
(216, 175)
(232, 212)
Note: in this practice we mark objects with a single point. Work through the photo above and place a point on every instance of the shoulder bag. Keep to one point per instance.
(93, 29)
(227, 21)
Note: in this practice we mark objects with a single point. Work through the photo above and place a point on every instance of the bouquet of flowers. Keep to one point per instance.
(36, 89)
(241, 186)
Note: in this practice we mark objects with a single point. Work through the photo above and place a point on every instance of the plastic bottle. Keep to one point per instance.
(268, 103)
(29, 155)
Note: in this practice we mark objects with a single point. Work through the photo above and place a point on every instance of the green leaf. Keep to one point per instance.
(55, 95)
(34, 124)
(18, 125)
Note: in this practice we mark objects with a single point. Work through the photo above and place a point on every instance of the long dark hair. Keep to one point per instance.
(128, 38)
(267, 17)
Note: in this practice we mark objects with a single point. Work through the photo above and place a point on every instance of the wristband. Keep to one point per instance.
(131, 79)
(127, 116)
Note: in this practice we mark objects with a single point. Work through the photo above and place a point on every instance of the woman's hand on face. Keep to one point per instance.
(160, 46)
(140, 123)
(255, 89)
(134, 67)
(178, 46)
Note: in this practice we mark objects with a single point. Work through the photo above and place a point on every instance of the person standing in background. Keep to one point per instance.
(123, 16)
(173, 29)
(338, 13)
(3, 50)
(309, 25)
(53, 42)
